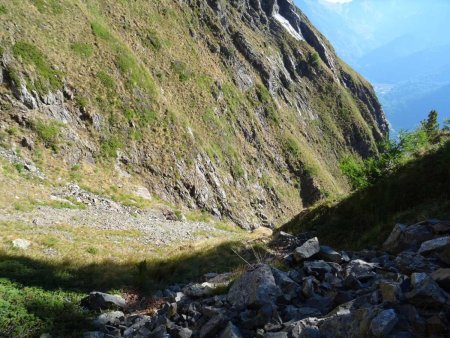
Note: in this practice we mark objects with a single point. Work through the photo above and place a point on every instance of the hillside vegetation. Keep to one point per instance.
(408, 182)
(210, 105)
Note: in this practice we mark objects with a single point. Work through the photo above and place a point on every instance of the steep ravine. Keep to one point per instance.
(238, 108)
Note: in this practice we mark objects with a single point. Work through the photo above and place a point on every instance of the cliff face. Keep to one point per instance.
(240, 108)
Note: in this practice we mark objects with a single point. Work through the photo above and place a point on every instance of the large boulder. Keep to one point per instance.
(307, 249)
(254, 288)
(329, 254)
(102, 301)
(230, 331)
(442, 277)
(383, 323)
(438, 247)
(426, 292)
(405, 237)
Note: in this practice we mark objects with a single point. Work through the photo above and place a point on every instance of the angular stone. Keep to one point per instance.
(254, 288)
(20, 243)
(298, 313)
(180, 332)
(405, 237)
(110, 318)
(212, 327)
(102, 301)
(436, 244)
(426, 292)
(442, 277)
(276, 335)
(230, 331)
(383, 323)
(390, 292)
(286, 284)
(360, 268)
(320, 267)
(329, 254)
(409, 261)
(307, 249)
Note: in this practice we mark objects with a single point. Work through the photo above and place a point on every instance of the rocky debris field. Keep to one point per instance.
(399, 291)
(157, 226)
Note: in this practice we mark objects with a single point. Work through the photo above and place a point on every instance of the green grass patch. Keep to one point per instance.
(180, 68)
(47, 77)
(106, 80)
(82, 49)
(31, 311)
(110, 146)
(48, 6)
(3, 10)
(47, 131)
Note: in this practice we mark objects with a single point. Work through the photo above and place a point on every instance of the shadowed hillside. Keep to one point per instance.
(418, 190)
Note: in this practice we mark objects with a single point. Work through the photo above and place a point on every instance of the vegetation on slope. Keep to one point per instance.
(408, 182)
(157, 78)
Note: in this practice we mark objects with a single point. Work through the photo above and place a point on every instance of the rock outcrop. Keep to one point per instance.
(238, 108)
(365, 294)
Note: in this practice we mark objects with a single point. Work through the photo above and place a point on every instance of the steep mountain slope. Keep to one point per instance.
(239, 108)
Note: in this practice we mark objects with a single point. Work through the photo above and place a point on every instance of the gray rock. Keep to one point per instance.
(101, 301)
(111, 318)
(286, 284)
(442, 277)
(20, 243)
(276, 335)
(93, 334)
(307, 249)
(298, 313)
(390, 292)
(212, 327)
(254, 288)
(329, 254)
(383, 323)
(404, 237)
(230, 331)
(180, 332)
(436, 244)
(320, 267)
(426, 292)
(199, 290)
(360, 268)
(409, 262)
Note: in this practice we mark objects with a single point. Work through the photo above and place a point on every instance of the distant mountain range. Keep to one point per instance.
(400, 46)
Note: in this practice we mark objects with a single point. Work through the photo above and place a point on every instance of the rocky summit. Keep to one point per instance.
(370, 293)
(238, 108)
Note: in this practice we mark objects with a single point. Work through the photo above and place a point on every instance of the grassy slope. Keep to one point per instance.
(418, 190)
(136, 65)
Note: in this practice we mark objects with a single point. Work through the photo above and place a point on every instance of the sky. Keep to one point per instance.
(401, 46)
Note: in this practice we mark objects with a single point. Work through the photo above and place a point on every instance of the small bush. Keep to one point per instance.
(82, 49)
(47, 131)
(49, 6)
(3, 10)
(110, 146)
(291, 146)
(180, 68)
(100, 31)
(152, 41)
(92, 250)
(314, 59)
(106, 80)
